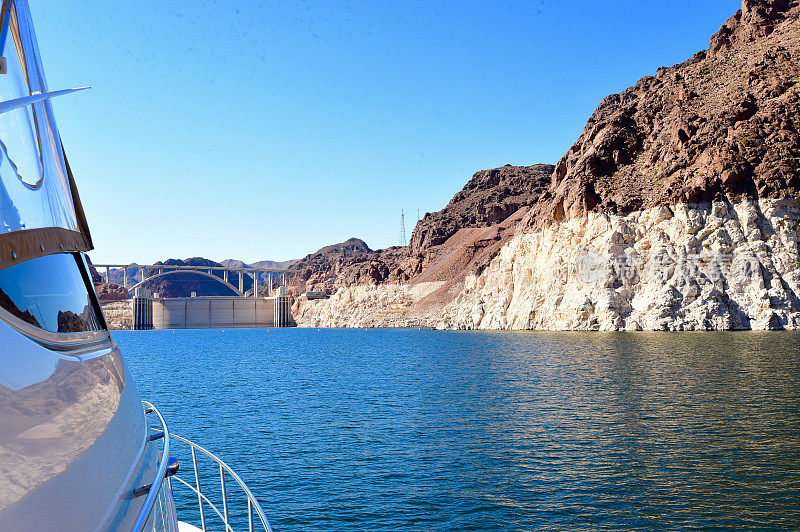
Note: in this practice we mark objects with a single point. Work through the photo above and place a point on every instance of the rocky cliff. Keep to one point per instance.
(413, 283)
(110, 292)
(105, 291)
(700, 266)
(325, 269)
(487, 200)
(722, 125)
(490, 198)
(675, 209)
(118, 314)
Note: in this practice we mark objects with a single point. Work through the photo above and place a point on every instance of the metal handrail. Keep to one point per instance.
(252, 502)
(155, 487)
(203, 497)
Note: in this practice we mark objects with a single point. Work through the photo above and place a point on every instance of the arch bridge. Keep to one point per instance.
(142, 273)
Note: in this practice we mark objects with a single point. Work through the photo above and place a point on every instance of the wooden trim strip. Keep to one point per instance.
(28, 244)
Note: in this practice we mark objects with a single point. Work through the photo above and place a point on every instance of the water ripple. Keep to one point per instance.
(424, 430)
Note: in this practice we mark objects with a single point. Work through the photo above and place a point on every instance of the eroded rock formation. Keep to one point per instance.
(110, 292)
(413, 283)
(723, 125)
(709, 266)
(675, 209)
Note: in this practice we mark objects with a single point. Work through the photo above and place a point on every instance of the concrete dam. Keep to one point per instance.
(210, 312)
(245, 309)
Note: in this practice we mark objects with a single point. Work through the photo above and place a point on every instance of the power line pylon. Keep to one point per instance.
(402, 228)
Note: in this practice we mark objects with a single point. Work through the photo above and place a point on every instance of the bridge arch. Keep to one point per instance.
(197, 272)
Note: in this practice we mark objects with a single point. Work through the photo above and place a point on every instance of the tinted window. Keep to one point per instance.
(49, 292)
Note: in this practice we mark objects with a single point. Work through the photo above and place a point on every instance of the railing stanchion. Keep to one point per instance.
(224, 494)
(197, 483)
(153, 489)
(222, 513)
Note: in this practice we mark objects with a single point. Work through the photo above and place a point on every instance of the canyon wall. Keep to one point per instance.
(705, 266)
(701, 266)
(675, 209)
(118, 314)
(387, 305)
(495, 199)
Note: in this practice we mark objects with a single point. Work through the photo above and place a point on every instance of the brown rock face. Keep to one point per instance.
(25, 315)
(96, 278)
(68, 321)
(490, 198)
(320, 270)
(723, 125)
(110, 292)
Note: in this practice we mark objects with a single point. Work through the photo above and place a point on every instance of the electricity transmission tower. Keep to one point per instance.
(402, 228)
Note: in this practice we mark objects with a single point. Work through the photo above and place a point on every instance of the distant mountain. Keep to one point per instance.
(278, 265)
(115, 275)
(233, 263)
(282, 265)
(263, 277)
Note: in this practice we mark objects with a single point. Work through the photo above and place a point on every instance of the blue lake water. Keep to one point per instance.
(431, 430)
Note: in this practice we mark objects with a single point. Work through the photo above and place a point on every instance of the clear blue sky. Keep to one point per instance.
(265, 130)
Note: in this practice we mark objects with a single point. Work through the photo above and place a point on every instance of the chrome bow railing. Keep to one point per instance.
(168, 467)
(253, 508)
(154, 489)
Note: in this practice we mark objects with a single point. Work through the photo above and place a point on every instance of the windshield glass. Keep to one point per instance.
(50, 293)
(34, 188)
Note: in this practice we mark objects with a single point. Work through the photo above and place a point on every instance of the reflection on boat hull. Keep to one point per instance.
(73, 438)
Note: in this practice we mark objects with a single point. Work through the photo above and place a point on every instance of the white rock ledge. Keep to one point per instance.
(711, 266)
(369, 306)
